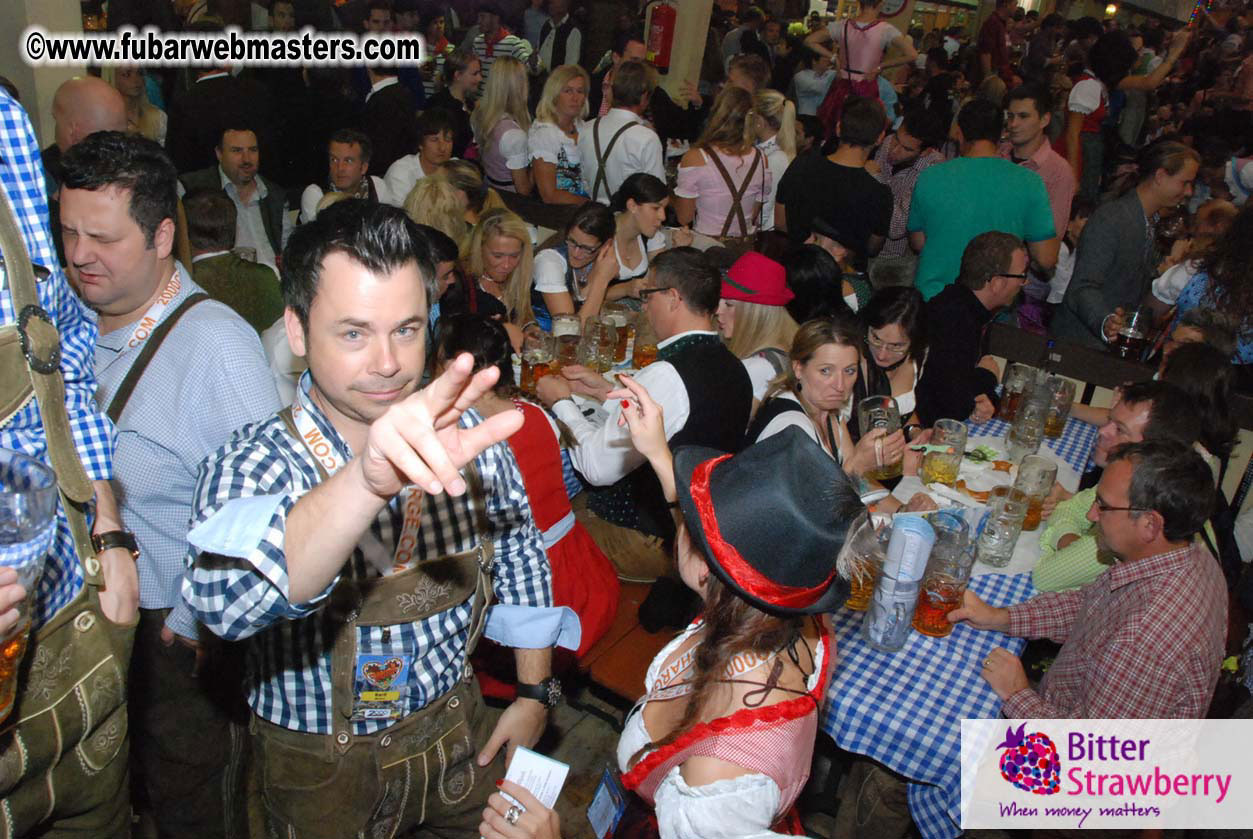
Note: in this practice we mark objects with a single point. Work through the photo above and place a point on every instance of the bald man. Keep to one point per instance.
(83, 105)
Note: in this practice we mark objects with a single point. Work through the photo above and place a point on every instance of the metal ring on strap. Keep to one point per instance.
(52, 363)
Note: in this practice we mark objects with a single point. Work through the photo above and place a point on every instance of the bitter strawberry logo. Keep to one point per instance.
(1030, 762)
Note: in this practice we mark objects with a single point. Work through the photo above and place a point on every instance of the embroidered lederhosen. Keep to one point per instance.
(386, 777)
(63, 749)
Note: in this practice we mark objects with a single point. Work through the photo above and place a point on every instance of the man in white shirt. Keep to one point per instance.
(621, 143)
(262, 224)
(435, 136)
(349, 164)
(561, 42)
(706, 397)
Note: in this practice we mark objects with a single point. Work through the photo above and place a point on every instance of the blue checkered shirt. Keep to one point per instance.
(21, 174)
(245, 492)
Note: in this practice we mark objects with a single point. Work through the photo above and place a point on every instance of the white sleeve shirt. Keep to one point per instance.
(604, 453)
(400, 178)
(309, 203)
(637, 150)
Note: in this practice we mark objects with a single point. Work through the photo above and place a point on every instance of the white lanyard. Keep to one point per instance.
(385, 562)
(668, 686)
(152, 317)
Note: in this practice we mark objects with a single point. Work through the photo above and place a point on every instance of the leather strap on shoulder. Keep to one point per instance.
(146, 353)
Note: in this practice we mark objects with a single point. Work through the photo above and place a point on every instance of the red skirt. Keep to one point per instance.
(832, 106)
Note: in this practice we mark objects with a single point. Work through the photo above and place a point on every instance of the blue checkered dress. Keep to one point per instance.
(289, 654)
(21, 173)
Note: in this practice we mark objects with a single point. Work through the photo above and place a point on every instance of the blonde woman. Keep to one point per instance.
(477, 197)
(724, 178)
(436, 203)
(142, 117)
(774, 123)
(500, 124)
(553, 139)
(497, 265)
(753, 319)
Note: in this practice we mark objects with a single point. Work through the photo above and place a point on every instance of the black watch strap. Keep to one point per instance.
(115, 539)
(548, 691)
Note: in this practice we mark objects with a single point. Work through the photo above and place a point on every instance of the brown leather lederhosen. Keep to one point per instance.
(63, 749)
(303, 773)
(746, 240)
(602, 158)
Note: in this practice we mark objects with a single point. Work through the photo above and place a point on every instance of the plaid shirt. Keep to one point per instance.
(1145, 640)
(901, 182)
(263, 468)
(21, 174)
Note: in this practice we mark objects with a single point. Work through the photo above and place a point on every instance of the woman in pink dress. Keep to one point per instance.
(856, 47)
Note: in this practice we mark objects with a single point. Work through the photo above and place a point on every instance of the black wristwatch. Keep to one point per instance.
(548, 692)
(115, 539)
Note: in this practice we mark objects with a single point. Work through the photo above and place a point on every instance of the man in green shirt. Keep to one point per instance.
(976, 193)
(1069, 556)
(250, 288)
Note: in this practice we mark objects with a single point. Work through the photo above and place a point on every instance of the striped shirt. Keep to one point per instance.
(509, 44)
(21, 174)
(239, 590)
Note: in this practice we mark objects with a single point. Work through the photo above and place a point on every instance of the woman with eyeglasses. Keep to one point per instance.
(896, 344)
(572, 277)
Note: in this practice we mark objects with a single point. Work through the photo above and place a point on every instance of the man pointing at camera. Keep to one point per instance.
(355, 540)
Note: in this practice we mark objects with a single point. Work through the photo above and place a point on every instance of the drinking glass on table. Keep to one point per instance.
(28, 524)
(867, 554)
(881, 412)
(1018, 380)
(1036, 475)
(1007, 508)
(1028, 429)
(645, 352)
(537, 358)
(948, 572)
(1061, 395)
(623, 330)
(942, 466)
(567, 330)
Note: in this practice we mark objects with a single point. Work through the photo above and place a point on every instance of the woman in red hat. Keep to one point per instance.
(722, 741)
(753, 320)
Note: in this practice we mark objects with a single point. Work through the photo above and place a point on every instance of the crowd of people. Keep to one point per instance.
(289, 302)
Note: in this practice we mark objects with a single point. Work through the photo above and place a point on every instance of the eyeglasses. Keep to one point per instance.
(881, 345)
(1106, 508)
(644, 292)
(1014, 276)
(581, 248)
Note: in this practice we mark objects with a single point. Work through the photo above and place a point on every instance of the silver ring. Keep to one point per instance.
(512, 815)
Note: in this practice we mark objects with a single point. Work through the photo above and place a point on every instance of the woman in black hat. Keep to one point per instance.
(721, 743)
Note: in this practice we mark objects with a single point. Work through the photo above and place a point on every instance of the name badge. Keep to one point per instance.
(608, 805)
(380, 684)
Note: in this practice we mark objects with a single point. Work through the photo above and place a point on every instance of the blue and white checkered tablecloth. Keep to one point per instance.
(904, 709)
(1074, 446)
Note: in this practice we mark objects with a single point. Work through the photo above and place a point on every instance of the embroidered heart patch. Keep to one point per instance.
(381, 674)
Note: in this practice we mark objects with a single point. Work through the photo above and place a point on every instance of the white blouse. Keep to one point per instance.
(743, 807)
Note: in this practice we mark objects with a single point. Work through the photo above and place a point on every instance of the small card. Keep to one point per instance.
(380, 683)
(608, 805)
(542, 776)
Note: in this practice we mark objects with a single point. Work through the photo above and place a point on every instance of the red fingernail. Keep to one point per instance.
(500, 783)
(626, 403)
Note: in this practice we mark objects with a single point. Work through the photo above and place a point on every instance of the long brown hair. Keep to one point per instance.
(810, 337)
(732, 626)
(730, 127)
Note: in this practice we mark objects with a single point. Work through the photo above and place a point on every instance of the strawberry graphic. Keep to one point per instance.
(1030, 762)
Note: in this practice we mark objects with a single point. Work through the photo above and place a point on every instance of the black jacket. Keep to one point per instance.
(952, 378)
(200, 114)
(390, 121)
(272, 206)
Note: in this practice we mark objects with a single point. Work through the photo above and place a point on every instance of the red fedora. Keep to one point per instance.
(757, 279)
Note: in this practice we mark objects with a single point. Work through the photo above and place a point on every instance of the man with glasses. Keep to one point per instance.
(706, 396)
(1164, 590)
(960, 378)
(901, 158)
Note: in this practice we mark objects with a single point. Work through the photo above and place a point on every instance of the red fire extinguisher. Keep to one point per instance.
(662, 20)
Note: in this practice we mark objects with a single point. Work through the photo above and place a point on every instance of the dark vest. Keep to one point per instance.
(559, 41)
(272, 206)
(766, 414)
(538, 307)
(720, 397)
